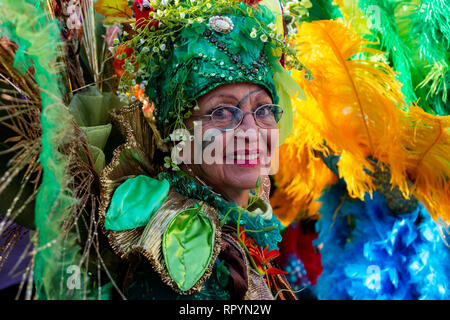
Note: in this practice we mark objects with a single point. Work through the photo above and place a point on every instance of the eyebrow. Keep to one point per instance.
(233, 97)
(248, 95)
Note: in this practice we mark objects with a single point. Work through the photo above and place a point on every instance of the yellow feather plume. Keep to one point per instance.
(355, 109)
(427, 141)
(302, 174)
(358, 101)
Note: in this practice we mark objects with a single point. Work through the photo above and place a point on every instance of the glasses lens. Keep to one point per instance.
(226, 117)
(268, 115)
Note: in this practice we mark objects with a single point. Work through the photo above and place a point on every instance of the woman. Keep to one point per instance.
(205, 225)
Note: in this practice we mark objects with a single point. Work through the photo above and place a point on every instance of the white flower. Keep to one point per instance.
(253, 33)
(199, 19)
(272, 26)
(162, 46)
(182, 15)
(263, 38)
(280, 36)
(164, 2)
(190, 21)
(159, 13)
(155, 49)
(272, 35)
(208, 5)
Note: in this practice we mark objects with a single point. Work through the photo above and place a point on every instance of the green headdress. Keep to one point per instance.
(186, 49)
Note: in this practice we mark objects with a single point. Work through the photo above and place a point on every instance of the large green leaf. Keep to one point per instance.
(188, 244)
(134, 202)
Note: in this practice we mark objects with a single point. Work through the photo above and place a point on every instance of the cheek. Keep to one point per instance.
(271, 139)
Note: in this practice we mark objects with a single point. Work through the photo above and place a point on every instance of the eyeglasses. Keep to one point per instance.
(224, 118)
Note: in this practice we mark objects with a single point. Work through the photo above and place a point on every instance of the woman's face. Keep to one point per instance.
(232, 159)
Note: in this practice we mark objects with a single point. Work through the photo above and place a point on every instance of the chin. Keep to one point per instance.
(243, 176)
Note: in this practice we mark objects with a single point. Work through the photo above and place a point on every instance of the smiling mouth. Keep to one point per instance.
(245, 158)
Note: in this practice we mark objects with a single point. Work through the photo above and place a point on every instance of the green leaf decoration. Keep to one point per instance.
(188, 244)
(98, 135)
(134, 202)
(90, 109)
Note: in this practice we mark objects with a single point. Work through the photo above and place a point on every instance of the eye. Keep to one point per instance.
(223, 113)
(268, 115)
(264, 111)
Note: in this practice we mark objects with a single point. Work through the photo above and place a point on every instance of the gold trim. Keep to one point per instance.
(265, 189)
(129, 160)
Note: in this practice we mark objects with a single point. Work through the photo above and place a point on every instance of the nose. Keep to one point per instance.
(248, 130)
(248, 122)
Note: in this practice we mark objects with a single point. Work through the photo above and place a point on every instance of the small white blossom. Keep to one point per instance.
(155, 49)
(199, 19)
(253, 33)
(272, 26)
(162, 46)
(263, 38)
(164, 2)
(182, 15)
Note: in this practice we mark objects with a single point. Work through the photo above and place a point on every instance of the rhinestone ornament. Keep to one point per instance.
(221, 24)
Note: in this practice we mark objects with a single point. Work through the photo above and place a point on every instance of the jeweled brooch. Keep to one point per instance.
(221, 24)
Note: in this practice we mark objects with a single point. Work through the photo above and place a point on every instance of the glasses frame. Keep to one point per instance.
(243, 115)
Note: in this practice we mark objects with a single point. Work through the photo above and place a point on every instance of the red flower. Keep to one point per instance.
(261, 257)
(142, 9)
(118, 63)
(251, 2)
